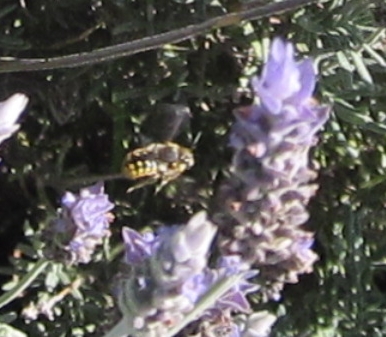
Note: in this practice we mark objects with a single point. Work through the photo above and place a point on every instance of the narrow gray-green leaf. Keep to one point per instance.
(344, 61)
(377, 57)
(361, 67)
(351, 116)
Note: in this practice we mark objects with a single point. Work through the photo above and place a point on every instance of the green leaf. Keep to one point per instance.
(24, 283)
(361, 67)
(6, 10)
(8, 317)
(344, 61)
(13, 43)
(184, 2)
(52, 277)
(351, 116)
(8, 331)
(377, 57)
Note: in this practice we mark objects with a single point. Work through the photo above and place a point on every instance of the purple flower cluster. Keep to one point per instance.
(162, 263)
(85, 221)
(232, 301)
(267, 195)
(170, 274)
(262, 207)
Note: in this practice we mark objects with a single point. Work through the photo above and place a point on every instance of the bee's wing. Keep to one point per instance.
(167, 121)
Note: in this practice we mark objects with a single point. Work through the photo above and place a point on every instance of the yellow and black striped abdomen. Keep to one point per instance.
(137, 169)
(140, 163)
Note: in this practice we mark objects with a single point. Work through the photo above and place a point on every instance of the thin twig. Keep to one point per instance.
(84, 35)
(8, 65)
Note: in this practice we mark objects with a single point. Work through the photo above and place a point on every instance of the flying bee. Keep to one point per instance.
(160, 161)
(157, 161)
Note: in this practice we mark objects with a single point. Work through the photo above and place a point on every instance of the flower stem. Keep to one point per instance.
(114, 52)
(9, 296)
(121, 329)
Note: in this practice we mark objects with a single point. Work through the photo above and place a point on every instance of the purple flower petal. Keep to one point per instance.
(138, 246)
(284, 81)
(86, 219)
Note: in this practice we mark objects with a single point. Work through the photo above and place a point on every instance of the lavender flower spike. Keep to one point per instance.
(271, 186)
(85, 221)
(284, 81)
(153, 296)
(10, 111)
(183, 251)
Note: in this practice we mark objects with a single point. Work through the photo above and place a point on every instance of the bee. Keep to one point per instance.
(159, 161)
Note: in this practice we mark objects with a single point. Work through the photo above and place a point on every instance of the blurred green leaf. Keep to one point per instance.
(361, 67)
(6, 10)
(8, 331)
(344, 61)
(185, 2)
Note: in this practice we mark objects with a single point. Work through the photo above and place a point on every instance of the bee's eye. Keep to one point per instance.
(169, 154)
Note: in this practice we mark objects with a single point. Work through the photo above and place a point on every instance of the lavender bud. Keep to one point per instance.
(258, 324)
(138, 246)
(183, 251)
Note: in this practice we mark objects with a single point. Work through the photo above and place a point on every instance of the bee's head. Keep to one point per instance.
(186, 157)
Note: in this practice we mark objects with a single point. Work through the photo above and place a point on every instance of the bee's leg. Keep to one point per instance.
(142, 183)
(161, 185)
(165, 180)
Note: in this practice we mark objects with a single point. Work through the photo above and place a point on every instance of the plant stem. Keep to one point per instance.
(250, 12)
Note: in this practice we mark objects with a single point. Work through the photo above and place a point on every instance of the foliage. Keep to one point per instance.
(81, 121)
